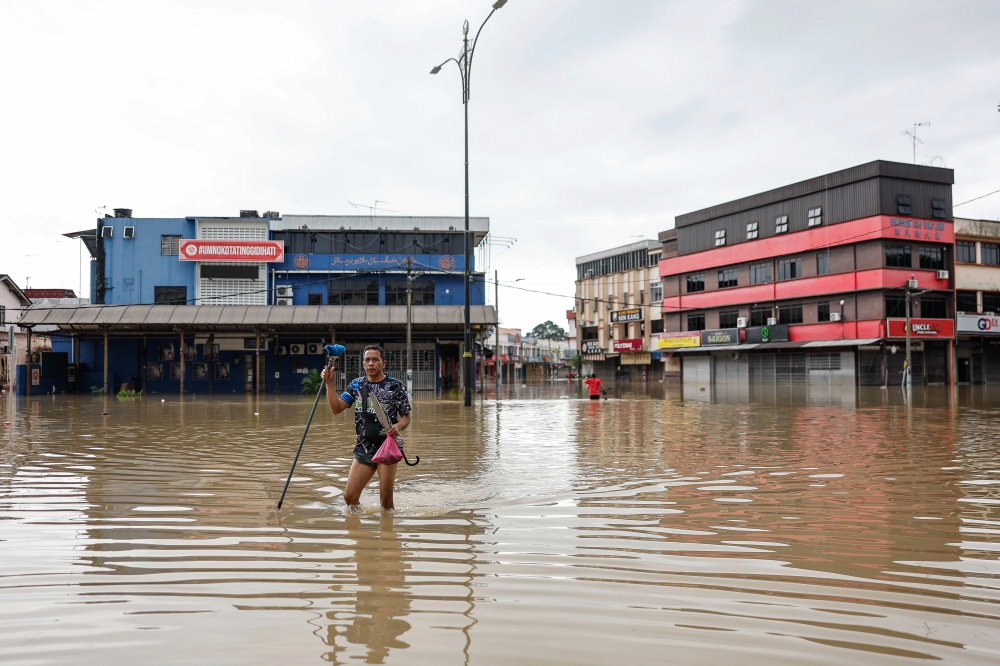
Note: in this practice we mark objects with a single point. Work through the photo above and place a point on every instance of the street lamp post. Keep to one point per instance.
(464, 62)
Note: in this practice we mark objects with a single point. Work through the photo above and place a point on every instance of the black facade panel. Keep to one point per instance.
(214, 272)
(855, 200)
(849, 202)
(879, 168)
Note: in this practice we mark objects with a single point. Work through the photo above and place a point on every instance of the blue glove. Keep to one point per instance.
(334, 350)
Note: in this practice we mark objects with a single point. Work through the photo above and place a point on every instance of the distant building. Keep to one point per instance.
(977, 300)
(618, 311)
(244, 304)
(806, 284)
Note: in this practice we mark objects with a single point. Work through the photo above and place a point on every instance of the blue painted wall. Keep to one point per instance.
(134, 266)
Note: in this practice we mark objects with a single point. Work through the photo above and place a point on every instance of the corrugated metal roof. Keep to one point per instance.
(842, 343)
(433, 223)
(648, 245)
(244, 317)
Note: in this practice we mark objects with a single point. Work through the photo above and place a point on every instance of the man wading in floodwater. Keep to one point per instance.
(391, 395)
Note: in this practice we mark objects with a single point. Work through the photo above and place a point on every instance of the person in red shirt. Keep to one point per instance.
(595, 385)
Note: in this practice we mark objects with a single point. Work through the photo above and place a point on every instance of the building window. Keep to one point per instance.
(727, 278)
(589, 332)
(315, 299)
(932, 258)
(991, 302)
(170, 295)
(933, 307)
(753, 230)
(696, 283)
(760, 273)
(897, 256)
(815, 217)
(990, 254)
(720, 237)
(904, 205)
(696, 322)
(823, 311)
(656, 326)
(965, 252)
(656, 292)
(965, 301)
(352, 292)
(790, 314)
(170, 246)
(938, 209)
(759, 316)
(3, 315)
(789, 269)
(895, 306)
(728, 319)
(423, 292)
(822, 263)
(781, 224)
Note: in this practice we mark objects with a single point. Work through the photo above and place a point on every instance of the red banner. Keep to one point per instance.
(232, 250)
(627, 345)
(922, 328)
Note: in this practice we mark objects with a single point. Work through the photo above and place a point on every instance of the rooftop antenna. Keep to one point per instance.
(373, 209)
(913, 137)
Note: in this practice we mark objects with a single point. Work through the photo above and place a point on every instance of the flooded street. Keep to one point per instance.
(542, 529)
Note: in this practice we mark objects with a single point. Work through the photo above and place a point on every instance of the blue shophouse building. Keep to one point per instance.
(244, 304)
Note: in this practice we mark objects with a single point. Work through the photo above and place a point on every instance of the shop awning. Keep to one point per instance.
(777, 346)
(246, 318)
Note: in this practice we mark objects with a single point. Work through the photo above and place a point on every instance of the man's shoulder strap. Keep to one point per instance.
(363, 389)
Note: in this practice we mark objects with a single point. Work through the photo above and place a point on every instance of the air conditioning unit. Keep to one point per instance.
(283, 291)
(771, 321)
(942, 275)
(284, 301)
(314, 348)
(128, 232)
(107, 232)
(741, 322)
(912, 284)
(296, 349)
(282, 350)
(834, 316)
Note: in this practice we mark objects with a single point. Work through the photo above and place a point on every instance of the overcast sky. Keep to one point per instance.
(592, 124)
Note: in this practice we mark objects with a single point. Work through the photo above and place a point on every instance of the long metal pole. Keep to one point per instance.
(467, 355)
(409, 326)
(183, 365)
(105, 360)
(497, 363)
(322, 385)
(909, 367)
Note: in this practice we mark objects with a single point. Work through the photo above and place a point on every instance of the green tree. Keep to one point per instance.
(312, 382)
(548, 331)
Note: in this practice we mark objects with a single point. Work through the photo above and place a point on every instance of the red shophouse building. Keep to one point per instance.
(806, 283)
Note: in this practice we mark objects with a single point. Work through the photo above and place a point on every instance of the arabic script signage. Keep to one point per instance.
(230, 250)
(922, 328)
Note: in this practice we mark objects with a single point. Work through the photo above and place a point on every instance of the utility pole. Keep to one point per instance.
(409, 326)
(497, 363)
(907, 374)
(99, 296)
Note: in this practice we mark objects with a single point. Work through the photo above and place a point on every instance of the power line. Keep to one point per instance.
(976, 199)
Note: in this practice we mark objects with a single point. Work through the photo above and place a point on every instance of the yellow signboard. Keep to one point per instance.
(635, 358)
(677, 340)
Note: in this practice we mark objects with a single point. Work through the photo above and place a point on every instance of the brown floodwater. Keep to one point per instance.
(541, 529)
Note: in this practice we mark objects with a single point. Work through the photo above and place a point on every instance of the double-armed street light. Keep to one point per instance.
(464, 62)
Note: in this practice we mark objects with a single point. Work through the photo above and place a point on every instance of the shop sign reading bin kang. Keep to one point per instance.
(232, 250)
(678, 340)
(722, 336)
(622, 316)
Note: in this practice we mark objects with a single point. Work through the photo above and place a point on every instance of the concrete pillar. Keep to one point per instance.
(256, 376)
(105, 360)
(183, 367)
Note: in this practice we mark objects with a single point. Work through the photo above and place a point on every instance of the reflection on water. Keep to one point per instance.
(827, 526)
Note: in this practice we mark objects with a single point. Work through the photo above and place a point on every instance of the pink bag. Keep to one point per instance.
(388, 453)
